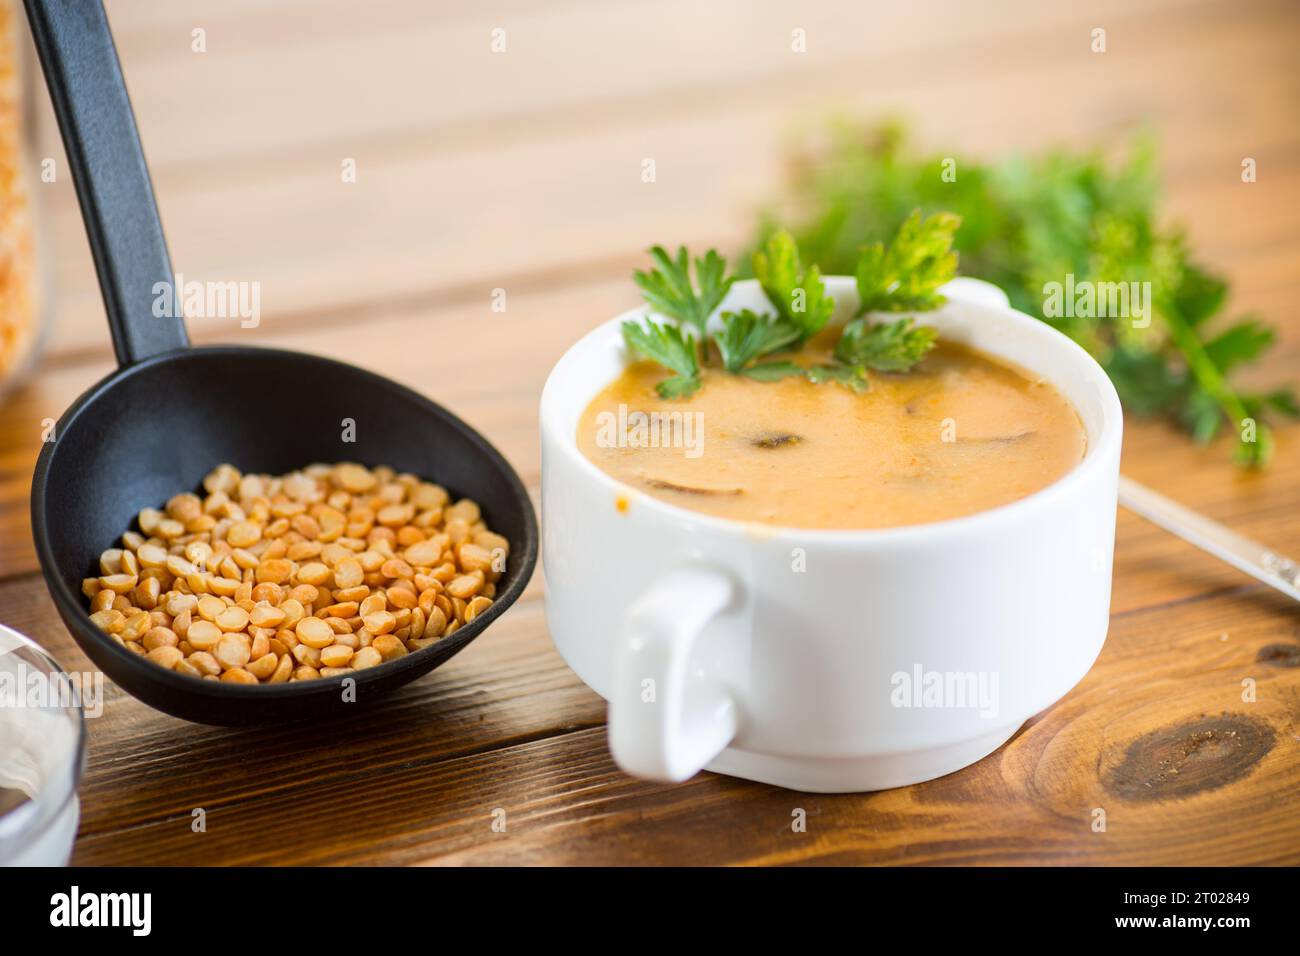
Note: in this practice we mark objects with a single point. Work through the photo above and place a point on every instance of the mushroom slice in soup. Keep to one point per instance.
(663, 485)
(775, 439)
(998, 439)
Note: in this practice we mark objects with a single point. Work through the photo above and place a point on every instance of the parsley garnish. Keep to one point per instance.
(670, 347)
(799, 297)
(853, 376)
(773, 371)
(746, 336)
(904, 276)
(884, 346)
(669, 290)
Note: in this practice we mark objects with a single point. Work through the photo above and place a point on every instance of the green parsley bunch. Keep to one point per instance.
(1026, 223)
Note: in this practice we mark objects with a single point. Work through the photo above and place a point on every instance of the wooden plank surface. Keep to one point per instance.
(521, 171)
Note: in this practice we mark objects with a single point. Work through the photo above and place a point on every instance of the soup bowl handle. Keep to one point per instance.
(668, 716)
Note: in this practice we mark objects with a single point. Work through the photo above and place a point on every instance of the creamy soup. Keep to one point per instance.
(960, 433)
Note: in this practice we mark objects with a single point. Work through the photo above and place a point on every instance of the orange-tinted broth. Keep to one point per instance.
(960, 433)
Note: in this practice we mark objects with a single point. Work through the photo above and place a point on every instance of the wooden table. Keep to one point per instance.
(521, 170)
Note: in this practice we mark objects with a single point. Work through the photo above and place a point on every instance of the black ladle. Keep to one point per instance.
(170, 413)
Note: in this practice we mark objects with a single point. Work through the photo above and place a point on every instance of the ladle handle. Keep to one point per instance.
(117, 202)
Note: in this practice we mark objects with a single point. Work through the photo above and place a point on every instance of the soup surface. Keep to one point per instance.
(959, 433)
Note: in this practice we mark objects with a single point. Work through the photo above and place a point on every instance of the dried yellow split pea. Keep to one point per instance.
(318, 573)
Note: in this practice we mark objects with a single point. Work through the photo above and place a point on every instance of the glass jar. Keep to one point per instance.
(42, 753)
(22, 299)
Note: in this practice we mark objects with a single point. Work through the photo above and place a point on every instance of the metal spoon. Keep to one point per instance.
(1241, 552)
(171, 413)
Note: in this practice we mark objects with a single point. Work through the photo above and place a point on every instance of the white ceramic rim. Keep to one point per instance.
(1098, 452)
